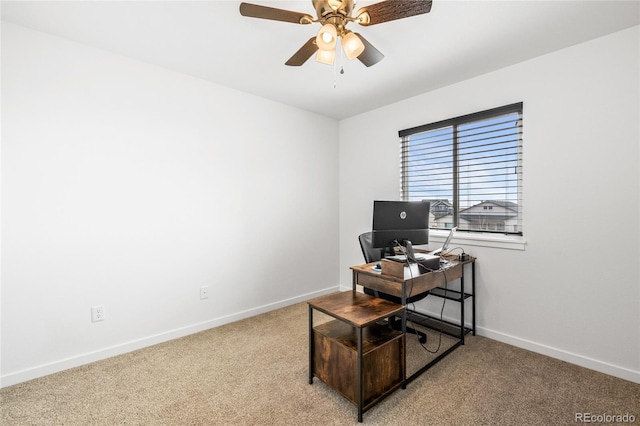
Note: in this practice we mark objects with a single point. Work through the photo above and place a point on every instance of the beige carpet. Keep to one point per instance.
(255, 372)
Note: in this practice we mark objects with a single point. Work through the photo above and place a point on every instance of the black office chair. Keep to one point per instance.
(372, 254)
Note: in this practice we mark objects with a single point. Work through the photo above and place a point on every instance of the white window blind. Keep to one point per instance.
(469, 168)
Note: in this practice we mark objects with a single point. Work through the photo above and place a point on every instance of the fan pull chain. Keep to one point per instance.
(335, 65)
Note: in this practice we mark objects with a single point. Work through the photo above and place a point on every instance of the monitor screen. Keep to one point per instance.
(400, 222)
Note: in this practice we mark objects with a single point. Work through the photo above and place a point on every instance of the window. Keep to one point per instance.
(469, 168)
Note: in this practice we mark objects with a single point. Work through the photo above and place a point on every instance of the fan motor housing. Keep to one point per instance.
(326, 7)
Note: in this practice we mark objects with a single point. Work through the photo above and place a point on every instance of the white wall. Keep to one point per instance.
(130, 186)
(562, 295)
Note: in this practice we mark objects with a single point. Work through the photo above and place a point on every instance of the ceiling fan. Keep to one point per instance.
(334, 15)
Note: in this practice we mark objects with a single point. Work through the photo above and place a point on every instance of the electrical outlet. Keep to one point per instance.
(97, 313)
(204, 292)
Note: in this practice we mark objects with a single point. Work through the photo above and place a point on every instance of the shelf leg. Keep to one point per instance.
(404, 331)
(360, 378)
(462, 306)
(473, 297)
(310, 345)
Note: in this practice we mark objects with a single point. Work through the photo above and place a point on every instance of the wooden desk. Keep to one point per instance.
(357, 357)
(431, 282)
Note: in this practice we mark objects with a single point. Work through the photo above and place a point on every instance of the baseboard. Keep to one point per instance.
(583, 361)
(572, 358)
(87, 358)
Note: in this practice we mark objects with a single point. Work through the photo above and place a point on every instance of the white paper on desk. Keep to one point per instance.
(411, 271)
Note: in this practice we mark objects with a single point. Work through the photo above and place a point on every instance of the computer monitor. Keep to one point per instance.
(400, 222)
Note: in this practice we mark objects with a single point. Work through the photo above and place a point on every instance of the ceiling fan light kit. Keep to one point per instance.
(326, 56)
(334, 15)
(352, 45)
(327, 36)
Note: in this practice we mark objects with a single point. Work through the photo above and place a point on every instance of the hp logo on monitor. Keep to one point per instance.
(403, 215)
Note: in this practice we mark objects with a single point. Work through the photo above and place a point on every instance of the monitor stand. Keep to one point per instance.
(411, 256)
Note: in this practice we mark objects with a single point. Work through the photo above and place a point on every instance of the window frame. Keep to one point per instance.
(513, 239)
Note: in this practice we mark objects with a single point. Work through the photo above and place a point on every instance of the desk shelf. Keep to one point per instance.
(437, 324)
(448, 294)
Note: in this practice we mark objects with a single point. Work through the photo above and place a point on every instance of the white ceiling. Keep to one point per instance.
(212, 41)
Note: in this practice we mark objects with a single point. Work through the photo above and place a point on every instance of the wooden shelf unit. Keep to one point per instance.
(336, 355)
(353, 354)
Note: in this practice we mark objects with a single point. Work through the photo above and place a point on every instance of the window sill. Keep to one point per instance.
(509, 242)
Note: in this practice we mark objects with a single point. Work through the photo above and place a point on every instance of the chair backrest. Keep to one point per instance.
(375, 254)
(370, 254)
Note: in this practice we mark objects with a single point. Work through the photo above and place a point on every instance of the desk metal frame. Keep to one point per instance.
(432, 283)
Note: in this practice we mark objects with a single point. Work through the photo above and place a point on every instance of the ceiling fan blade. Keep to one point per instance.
(391, 10)
(370, 55)
(265, 12)
(304, 53)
